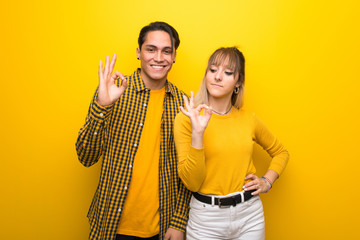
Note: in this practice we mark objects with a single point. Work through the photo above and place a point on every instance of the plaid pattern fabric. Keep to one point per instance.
(113, 132)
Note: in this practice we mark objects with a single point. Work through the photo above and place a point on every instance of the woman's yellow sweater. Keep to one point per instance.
(226, 158)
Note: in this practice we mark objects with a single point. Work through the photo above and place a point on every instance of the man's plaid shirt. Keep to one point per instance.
(114, 133)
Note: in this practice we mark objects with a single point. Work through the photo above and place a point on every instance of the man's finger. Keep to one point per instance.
(100, 71)
(124, 84)
(112, 64)
(107, 66)
(118, 74)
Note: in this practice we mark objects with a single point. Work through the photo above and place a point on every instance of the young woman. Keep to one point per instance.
(214, 140)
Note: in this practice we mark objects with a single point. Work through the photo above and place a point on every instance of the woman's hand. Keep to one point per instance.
(257, 184)
(108, 91)
(198, 122)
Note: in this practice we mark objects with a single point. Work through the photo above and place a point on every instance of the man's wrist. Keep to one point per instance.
(99, 112)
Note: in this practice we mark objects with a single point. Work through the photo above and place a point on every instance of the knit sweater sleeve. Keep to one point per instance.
(191, 161)
(272, 145)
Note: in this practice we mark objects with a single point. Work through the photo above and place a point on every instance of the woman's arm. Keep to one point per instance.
(189, 127)
(277, 152)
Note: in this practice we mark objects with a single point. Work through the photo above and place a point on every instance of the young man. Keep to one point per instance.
(129, 124)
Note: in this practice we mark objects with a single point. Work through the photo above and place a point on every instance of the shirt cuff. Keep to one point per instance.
(99, 112)
(178, 223)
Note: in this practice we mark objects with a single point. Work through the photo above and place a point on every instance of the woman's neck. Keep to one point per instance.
(220, 105)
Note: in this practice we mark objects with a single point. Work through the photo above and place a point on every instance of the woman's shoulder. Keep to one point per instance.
(182, 123)
(181, 118)
(244, 113)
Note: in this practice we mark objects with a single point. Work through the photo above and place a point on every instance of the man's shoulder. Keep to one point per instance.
(175, 90)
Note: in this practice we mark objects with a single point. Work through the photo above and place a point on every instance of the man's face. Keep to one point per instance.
(156, 56)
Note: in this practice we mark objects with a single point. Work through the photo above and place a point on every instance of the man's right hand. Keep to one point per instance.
(109, 92)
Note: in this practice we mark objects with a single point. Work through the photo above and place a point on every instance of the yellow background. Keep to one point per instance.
(302, 80)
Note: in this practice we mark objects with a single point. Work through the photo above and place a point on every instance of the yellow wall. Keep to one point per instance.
(302, 79)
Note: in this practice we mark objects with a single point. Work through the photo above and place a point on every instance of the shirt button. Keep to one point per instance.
(95, 133)
(101, 114)
(119, 209)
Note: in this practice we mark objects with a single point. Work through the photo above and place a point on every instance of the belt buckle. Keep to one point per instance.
(222, 206)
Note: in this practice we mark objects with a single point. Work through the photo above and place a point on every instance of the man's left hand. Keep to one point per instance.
(174, 234)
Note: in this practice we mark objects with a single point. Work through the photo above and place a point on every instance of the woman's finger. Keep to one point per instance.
(200, 107)
(250, 176)
(192, 100)
(256, 192)
(209, 109)
(252, 185)
(249, 187)
(184, 111)
(186, 103)
(208, 112)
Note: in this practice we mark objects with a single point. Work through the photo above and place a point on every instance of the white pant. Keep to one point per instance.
(245, 221)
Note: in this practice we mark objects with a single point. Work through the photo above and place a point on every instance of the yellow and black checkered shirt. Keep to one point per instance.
(113, 132)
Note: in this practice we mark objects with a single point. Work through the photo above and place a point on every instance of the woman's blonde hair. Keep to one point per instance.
(235, 60)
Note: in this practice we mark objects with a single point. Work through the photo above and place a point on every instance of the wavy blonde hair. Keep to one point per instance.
(235, 60)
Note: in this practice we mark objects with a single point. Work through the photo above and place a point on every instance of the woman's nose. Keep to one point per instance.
(218, 76)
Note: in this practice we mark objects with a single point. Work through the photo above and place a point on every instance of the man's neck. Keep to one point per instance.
(153, 84)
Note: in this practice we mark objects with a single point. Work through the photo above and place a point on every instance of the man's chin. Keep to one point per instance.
(159, 76)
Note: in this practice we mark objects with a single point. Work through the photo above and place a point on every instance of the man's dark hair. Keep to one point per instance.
(159, 26)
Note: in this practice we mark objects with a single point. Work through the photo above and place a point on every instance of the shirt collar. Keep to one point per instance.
(139, 84)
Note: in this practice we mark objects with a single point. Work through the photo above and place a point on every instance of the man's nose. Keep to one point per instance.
(158, 56)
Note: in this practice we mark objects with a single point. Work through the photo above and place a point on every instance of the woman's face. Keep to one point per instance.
(221, 81)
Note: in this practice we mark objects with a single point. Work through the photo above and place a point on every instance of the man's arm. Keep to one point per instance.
(92, 135)
(181, 214)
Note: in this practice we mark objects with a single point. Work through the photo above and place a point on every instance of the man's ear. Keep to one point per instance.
(138, 53)
(174, 57)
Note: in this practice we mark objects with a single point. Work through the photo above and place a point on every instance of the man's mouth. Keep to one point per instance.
(158, 66)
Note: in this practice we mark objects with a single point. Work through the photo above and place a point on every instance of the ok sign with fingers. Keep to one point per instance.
(198, 121)
(109, 92)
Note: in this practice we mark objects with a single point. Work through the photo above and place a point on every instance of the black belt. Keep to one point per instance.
(224, 202)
